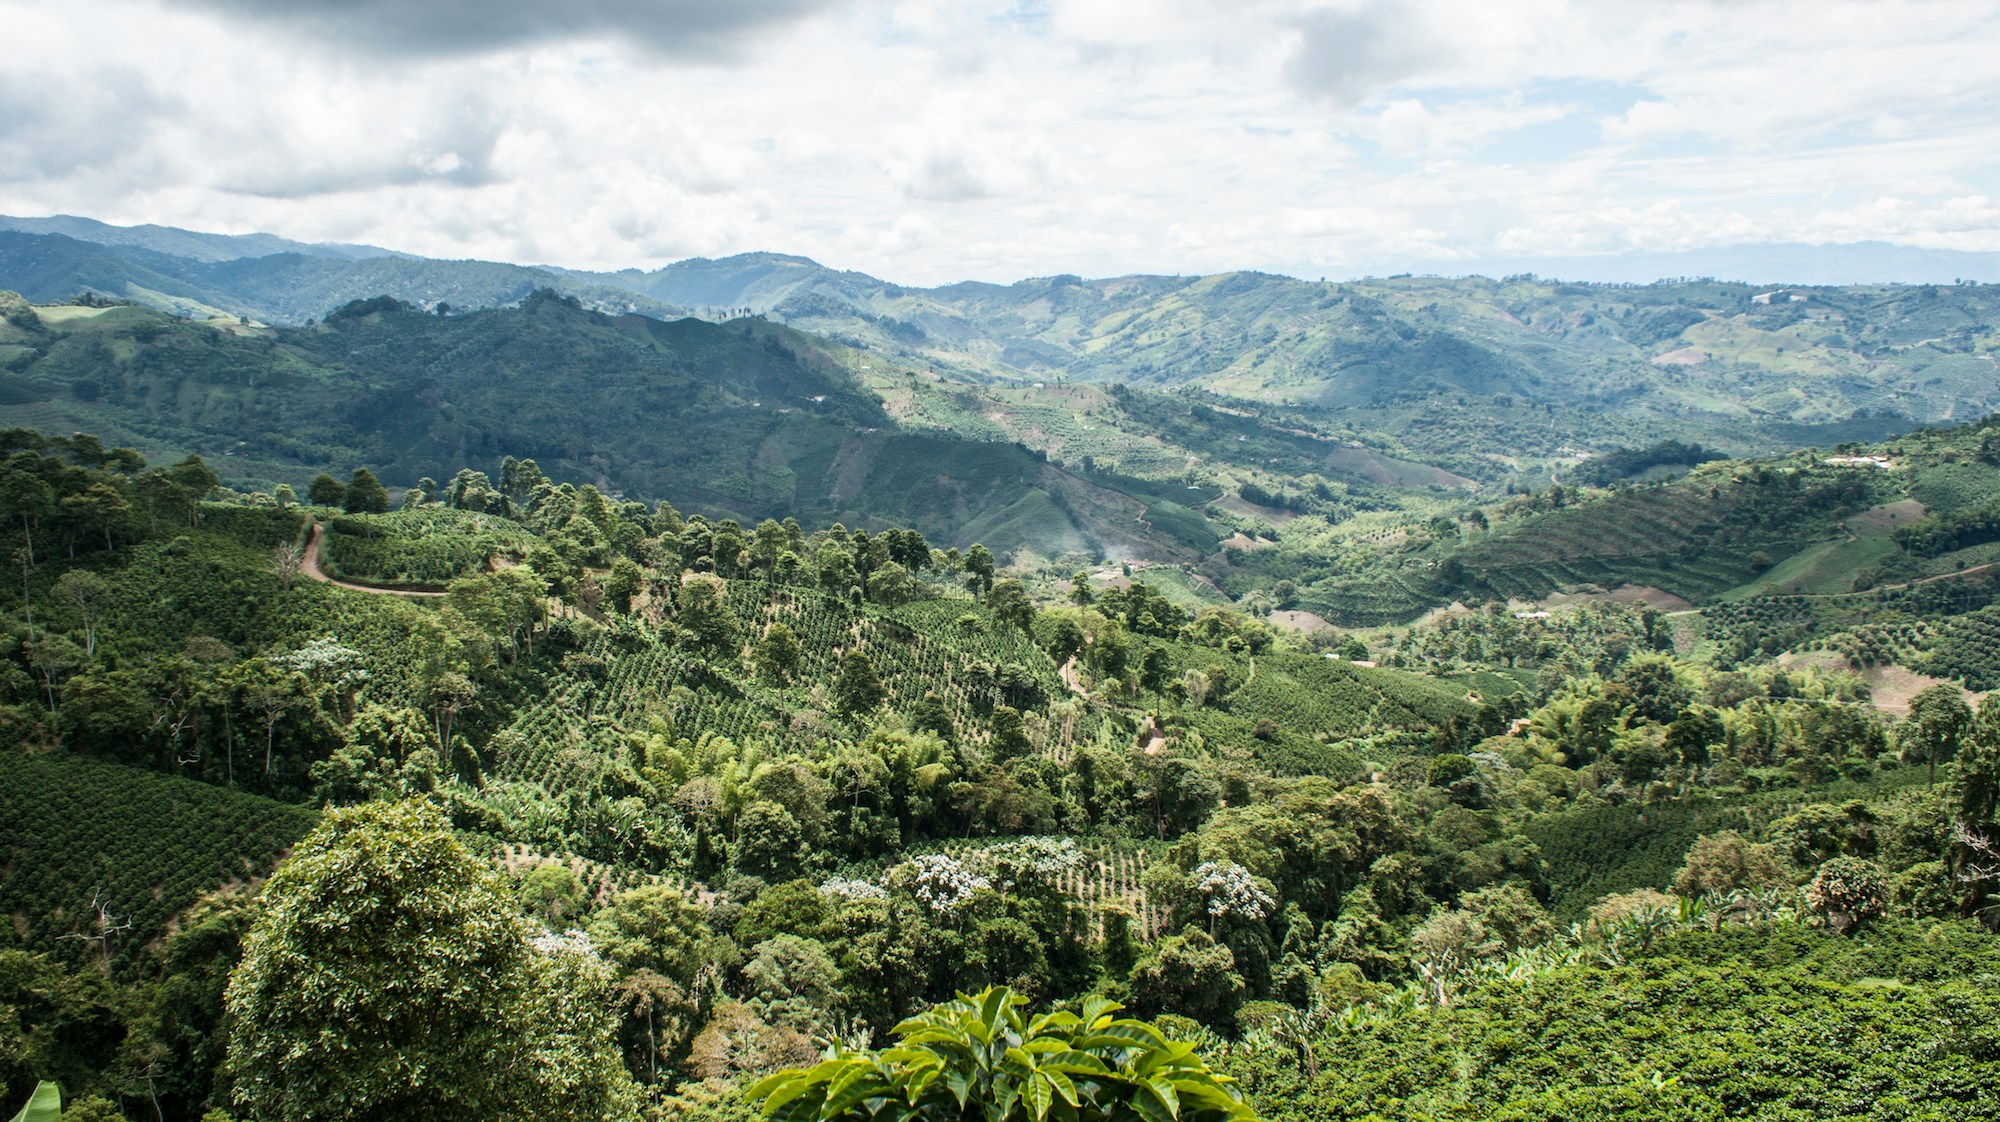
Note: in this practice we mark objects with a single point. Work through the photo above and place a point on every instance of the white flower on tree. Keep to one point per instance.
(852, 889)
(1032, 860)
(941, 882)
(571, 942)
(1231, 891)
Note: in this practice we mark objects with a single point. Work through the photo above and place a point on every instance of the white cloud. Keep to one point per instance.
(929, 143)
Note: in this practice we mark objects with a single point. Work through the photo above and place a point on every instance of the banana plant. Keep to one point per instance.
(45, 1105)
(980, 1058)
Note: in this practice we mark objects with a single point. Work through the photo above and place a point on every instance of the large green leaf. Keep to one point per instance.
(45, 1105)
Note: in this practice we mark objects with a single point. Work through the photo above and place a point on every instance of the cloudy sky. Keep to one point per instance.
(929, 142)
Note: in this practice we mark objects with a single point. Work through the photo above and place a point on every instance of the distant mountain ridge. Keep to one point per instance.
(1499, 381)
(191, 244)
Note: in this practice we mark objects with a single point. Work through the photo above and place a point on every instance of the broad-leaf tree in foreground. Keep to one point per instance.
(391, 976)
(981, 1058)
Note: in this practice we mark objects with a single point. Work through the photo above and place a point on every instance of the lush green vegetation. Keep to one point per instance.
(418, 547)
(646, 804)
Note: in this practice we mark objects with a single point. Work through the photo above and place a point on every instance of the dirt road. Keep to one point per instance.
(310, 567)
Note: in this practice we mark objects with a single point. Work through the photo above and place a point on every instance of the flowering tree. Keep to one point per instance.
(1231, 891)
(940, 882)
(1847, 890)
(853, 889)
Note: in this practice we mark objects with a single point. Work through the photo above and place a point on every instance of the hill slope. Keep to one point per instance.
(748, 420)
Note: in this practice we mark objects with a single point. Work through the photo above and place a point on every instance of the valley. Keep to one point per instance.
(1371, 685)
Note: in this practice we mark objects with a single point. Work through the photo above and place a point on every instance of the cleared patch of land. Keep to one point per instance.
(1623, 594)
(1890, 686)
(1300, 621)
(1686, 356)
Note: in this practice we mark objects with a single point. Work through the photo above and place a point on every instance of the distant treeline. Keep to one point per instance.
(1624, 463)
(1944, 533)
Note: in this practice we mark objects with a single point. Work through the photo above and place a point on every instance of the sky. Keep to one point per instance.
(933, 142)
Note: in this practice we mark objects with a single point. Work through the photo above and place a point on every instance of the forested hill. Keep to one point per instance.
(1485, 377)
(747, 419)
(293, 285)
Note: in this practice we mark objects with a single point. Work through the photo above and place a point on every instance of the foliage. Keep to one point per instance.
(1847, 891)
(105, 857)
(980, 1052)
(45, 1105)
(389, 974)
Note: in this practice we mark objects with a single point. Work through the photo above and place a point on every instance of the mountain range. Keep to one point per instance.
(1144, 416)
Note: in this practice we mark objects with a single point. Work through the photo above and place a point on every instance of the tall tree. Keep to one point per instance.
(859, 688)
(390, 975)
(325, 490)
(364, 494)
(1939, 719)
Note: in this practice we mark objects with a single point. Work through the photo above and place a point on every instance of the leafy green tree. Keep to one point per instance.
(890, 583)
(778, 655)
(552, 894)
(859, 688)
(1009, 733)
(705, 615)
(364, 494)
(833, 569)
(391, 975)
(979, 1056)
(325, 490)
(1079, 588)
(1939, 719)
(1008, 601)
(1190, 974)
(624, 583)
(979, 567)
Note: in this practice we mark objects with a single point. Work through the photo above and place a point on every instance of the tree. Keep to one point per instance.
(1009, 733)
(1190, 974)
(287, 561)
(1975, 850)
(364, 494)
(325, 490)
(1938, 719)
(890, 583)
(980, 1056)
(90, 594)
(1728, 862)
(192, 480)
(624, 583)
(1008, 601)
(390, 975)
(1154, 671)
(778, 655)
(705, 615)
(979, 567)
(1846, 891)
(1079, 588)
(859, 688)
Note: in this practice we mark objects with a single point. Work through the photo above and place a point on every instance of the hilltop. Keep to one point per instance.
(1493, 380)
(747, 419)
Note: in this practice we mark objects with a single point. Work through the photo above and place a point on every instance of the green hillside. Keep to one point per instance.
(748, 420)
(781, 782)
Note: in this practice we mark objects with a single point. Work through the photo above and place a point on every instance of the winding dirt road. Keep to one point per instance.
(309, 566)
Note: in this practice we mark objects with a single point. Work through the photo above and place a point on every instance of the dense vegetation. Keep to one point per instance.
(778, 785)
(1637, 784)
